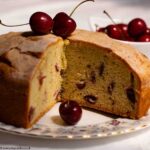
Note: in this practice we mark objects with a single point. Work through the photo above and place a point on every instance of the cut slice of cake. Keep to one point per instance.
(106, 75)
(30, 80)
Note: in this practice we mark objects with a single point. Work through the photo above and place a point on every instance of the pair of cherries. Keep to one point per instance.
(41, 23)
(136, 30)
(61, 25)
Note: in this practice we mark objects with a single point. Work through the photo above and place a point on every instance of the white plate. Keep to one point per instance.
(92, 124)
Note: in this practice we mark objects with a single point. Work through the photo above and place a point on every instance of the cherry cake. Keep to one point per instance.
(87, 67)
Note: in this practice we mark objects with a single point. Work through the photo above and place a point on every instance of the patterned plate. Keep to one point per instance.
(92, 125)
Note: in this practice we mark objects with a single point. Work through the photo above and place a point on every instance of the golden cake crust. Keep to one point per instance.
(15, 44)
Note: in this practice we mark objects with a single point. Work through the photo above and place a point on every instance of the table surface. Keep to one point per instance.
(130, 8)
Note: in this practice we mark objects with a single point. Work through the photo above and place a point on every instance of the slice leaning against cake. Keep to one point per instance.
(106, 75)
(30, 77)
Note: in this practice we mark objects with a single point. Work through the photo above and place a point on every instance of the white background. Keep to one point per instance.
(19, 11)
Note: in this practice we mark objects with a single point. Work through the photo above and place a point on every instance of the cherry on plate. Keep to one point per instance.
(70, 112)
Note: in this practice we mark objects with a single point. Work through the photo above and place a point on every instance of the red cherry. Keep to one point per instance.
(147, 31)
(129, 38)
(124, 29)
(114, 32)
(103, 29)
(41, 23)
(63, 25)
(137, 27)
(144, 38)
(70, 112)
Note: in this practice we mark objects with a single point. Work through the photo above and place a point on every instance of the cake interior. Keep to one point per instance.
(96, 78)
(46, 82)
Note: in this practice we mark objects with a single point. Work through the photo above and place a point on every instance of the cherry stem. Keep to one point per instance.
(96, 26)
(107, 14)
(12, 25)
(79, 5)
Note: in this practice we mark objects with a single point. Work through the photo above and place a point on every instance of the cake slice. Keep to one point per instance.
(30, 80)
(106, 75)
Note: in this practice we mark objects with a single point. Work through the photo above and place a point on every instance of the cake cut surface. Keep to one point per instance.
(106, 75)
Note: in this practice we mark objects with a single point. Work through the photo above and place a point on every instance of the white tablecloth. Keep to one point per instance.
(129, 8)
